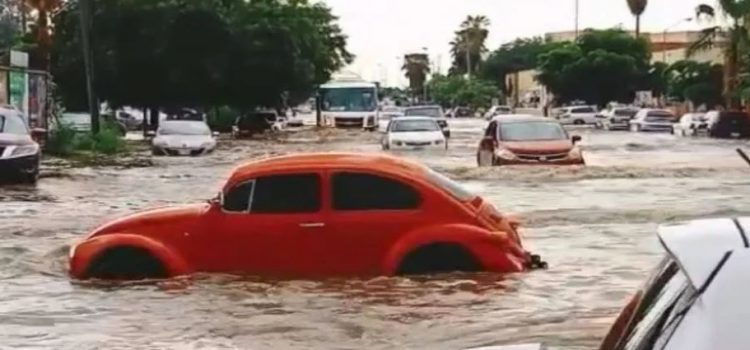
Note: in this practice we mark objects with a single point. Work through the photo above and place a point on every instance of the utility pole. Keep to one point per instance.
(468, 54)
(577, 16)
(84, 10)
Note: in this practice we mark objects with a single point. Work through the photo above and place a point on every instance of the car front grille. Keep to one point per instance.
(343, 122)
(425, 143)
(542, 157)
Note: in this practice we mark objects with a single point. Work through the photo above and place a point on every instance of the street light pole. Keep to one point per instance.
(468, 54)
(664, 37)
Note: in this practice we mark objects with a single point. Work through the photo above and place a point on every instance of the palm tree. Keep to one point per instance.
(637, 7)
(468, 46)
(733, 39)
(416, 66)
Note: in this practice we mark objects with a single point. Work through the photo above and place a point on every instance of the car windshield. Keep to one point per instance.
(583, 110)
(12, 125)
(665, 297)
(455, 189)
(659, 116)
(184, 128)
(434, 112)
(532, 131)
(414, 125)
(348, 99)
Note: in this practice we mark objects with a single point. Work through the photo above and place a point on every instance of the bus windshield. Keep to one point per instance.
(348, 99)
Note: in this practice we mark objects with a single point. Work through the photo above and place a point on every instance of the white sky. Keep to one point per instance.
(382, 31)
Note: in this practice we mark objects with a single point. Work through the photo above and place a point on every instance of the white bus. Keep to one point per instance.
(350, 104)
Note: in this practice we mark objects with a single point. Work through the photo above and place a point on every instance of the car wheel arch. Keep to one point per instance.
(467, 237)
(90, 251)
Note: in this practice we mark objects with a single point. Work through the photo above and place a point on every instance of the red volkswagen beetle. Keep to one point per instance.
(312, 215)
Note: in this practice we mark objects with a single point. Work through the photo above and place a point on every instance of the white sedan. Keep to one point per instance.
(183, 138)
(414, 133)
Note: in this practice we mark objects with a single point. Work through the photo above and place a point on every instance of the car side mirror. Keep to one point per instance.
(576, 139)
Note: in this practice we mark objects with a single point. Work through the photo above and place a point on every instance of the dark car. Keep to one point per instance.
(253, 123)
(19, 153)
(462, 112)
(728, 124)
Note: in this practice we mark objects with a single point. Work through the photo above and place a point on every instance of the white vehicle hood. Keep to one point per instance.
(419, 136)
(182, 141)
(700, 245)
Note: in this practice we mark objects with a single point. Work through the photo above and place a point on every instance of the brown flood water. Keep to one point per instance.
(595, 226)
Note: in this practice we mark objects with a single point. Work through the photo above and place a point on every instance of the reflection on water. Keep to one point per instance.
(595, 225)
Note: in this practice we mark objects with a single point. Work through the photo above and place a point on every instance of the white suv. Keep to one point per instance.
(578, 115)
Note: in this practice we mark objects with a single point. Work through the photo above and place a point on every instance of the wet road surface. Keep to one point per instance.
(594, 225)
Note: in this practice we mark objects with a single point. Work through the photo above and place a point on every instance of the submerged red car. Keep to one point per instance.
(312, 215)
(527, 140)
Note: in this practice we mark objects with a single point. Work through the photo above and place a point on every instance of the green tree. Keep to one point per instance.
(700, 83)
(469, 44)
(201, 53)
(600, 67)
(9, 32)
(518, 55)
(637, 7)
(736, 38)
(459, 91)
(416, 67)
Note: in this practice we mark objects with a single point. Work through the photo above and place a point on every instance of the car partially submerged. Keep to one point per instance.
(183, 138)
(527, 140)
(313, 215)
(695, 298)
(434, 111)
(414, 133)
(19, 153)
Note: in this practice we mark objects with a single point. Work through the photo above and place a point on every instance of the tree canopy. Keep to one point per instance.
(600, 67)
(518, 55)
(700, 83)
(459, 91)
(470, 37)
(199, 53)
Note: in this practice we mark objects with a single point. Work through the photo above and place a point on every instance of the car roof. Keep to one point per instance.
(699, 246)
(423, 107)
(379, 161)
(415, 117)
(520, 118)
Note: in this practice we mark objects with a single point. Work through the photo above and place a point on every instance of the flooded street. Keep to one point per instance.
(595, 226)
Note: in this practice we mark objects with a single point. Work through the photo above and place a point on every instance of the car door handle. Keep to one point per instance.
(312, 225)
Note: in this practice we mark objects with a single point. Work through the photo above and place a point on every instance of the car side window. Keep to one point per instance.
(281, 194)
(238, 198)
(360, 191)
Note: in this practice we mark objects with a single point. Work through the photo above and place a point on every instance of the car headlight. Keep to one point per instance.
(439, 142)
(505, 153)
(575, 153)
(25, 150)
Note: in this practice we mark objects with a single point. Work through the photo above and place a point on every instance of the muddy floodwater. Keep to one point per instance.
(594, 225)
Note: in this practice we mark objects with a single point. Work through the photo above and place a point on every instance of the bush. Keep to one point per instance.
(61, 141)
(222, 119)
(64, 140)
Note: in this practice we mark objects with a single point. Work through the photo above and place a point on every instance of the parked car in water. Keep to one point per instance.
(132, 119)
(183, 138)
(695, 298)
(414, 133)
(435, 112)
(498, 110)
(295, 216)
(578, 115)
(390, 112)
(19, 153)
(527, 140)
(653, 120)
(258, 122)
(727, 124)
(617, 118)
(691, 124)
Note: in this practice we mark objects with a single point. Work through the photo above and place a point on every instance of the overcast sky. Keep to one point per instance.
(382, 31)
